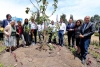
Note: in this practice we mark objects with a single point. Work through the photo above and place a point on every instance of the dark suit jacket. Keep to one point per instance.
(88, 31)
(70, 27)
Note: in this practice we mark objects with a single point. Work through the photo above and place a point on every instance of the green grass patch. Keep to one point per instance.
(73, 50)
(2, 48)
(96, 34)
(51, 46)
(1, 65)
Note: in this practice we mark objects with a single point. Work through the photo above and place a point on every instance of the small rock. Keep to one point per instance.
(15, 65)
(98, 60)
(57, 52)
(30, 60)
(50, 52)
(49, 44)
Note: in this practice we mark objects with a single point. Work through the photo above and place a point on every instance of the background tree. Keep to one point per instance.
(63, 16)
(82, 20)
(41, 8)
(96, 19)
(71, 17)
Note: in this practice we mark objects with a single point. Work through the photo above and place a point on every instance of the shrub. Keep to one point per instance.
(96, 34)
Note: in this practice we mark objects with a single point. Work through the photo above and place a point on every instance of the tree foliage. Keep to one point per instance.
(71, 17)
(63, 16)
(41, 16)
(41, 9)
(96, 20)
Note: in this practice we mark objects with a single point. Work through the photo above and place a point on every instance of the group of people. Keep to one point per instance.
(82, 34)
(79, 32)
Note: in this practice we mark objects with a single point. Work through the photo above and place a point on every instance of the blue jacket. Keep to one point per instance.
(70, 27)
(5, 23)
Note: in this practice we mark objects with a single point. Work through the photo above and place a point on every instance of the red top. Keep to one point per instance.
(20, 29)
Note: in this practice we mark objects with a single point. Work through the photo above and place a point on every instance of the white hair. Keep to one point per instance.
(12, 21)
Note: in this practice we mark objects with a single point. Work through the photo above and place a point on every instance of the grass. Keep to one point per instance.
(51, 46)
(73, 50)
(2, 48)
(96, 55)
(1, 65)
(96, 34)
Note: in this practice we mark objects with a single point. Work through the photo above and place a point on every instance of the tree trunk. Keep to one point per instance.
(44, 43)
(44, 32)
(99, 39)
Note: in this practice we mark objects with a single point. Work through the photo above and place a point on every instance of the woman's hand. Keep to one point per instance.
(18, 34)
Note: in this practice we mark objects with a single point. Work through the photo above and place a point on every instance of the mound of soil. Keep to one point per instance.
(31, 57)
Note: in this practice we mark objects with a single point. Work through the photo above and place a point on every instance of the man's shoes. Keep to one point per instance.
(83, 61)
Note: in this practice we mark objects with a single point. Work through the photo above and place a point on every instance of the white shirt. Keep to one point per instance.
(62, 26)
(53, 27)
(40, 27)
(33, 26)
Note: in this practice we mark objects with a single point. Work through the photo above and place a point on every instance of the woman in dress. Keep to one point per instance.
(77, 33)
(10, 35)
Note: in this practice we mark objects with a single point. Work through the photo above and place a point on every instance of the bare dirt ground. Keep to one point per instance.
(31, 57)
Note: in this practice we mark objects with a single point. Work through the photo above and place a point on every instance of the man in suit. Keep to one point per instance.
(6, 21)
(70, 28)
(87, 30)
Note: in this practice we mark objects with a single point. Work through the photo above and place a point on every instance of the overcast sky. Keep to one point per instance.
(78, 8)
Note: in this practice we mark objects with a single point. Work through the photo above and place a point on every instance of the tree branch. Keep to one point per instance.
(37, 3)
(34, 5)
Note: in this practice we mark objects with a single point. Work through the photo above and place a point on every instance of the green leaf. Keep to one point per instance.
(39, 1)
(27, 10)
(56, 1)
(44, 2)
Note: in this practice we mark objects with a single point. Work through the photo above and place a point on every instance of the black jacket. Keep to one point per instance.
(77, 31)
